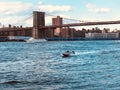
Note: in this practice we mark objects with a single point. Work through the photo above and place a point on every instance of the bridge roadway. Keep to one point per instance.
(80, 24)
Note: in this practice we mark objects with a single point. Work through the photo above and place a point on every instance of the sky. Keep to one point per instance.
(19, 12)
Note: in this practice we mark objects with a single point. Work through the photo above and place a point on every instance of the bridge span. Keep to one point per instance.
(40, 30)
(80, 24)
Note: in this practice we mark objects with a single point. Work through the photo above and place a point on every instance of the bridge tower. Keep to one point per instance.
(38, 20)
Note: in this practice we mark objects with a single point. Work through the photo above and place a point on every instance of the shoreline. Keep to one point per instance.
(79, 39)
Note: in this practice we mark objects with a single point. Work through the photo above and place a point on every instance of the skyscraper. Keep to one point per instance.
(57, 21)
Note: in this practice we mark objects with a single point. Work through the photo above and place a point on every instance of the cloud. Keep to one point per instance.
(64, 16)
(15, 12)
(14, 20)
(53, 8)
(48, 20)
(99, 10)
(40, 2)
(90, 6)
(8, 8)
(94, 8)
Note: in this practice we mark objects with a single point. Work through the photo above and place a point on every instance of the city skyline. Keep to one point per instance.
(83, 10)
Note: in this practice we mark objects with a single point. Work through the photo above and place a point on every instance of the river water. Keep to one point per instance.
(39, 66)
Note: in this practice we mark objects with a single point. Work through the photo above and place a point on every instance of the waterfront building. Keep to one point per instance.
(95, 35)
(71, 32)
(65, 32)
(57, 21)
(113, 35)
(79, 33)
(103, 35)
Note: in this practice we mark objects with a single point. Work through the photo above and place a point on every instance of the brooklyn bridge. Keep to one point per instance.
(40, 30)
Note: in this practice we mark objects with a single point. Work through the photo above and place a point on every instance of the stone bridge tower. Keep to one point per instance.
(38, 20)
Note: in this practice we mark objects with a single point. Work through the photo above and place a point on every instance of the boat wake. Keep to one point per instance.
(97, 52)
(32, 40)
(87, 52)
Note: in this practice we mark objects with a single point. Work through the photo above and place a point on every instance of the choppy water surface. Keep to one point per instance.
(39, 66)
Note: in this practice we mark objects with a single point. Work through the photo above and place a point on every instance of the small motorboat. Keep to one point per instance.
(68, 53)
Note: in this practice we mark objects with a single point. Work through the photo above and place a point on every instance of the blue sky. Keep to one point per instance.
(19, 12)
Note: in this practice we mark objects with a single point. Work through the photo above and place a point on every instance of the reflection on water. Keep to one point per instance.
(39, 66)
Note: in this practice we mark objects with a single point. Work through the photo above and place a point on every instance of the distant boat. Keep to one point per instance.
(68, 53)
(33, 40)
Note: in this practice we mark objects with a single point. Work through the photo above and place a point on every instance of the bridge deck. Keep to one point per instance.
(80, 24)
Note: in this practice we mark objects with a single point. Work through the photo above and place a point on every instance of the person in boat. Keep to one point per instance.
(73, 52)
(67, 51)
(70, 52)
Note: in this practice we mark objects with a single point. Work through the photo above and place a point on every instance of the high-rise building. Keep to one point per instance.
(57, 21)
(65, 32)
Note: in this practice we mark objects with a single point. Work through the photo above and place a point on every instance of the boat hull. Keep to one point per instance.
(65, 55)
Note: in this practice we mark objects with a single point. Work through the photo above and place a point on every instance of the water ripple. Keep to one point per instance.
(95, 66)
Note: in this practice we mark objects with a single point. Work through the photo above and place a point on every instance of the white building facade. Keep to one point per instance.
(103, 35)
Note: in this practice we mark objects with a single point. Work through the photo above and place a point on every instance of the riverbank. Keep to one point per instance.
(79, 39)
